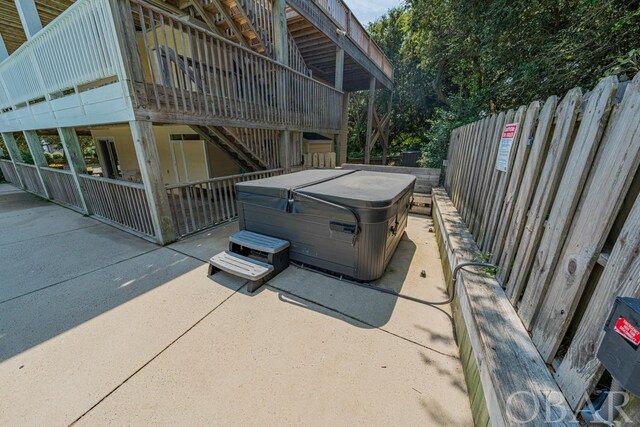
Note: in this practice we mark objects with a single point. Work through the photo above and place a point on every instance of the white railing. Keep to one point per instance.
(121, 202)
(62, 188)
(9, 172)
(30, 178)
(199, 205)
(76, 48)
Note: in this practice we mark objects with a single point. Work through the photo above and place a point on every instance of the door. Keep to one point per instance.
(189, 158)
(109, 158)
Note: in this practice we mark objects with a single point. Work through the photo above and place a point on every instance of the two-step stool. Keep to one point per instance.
(236, 261)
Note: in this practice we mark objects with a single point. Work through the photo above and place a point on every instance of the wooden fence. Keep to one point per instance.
(196, 206)
(30, 178)
(9, 172)
(560, 218)
(119, 202)
(62, 188)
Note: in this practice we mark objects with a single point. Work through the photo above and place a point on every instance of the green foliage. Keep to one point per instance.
(458, 60)
(57, 156)
(486, 258)
(26, 157)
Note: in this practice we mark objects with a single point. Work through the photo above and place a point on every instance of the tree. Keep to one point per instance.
(458, 60)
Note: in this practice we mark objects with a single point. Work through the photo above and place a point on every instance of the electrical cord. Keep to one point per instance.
(398, 294)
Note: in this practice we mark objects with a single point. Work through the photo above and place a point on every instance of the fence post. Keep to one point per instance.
(33, 141)
(14, 153)
(73, 152)
(149, 162)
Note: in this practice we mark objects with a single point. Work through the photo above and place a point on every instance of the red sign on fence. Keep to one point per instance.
(504, 151)
(627, 330)
(510, 130)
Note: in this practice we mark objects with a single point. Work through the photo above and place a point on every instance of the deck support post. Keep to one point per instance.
(29, 17)
(144, 142)
(371, 107)
(341, 138)
(4, 53)
(37, 153)
(75, 158)
(14, 153)
(281, 50)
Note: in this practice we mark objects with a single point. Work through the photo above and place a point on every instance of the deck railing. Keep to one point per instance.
(120, 202)
(62, 188)
(191, 75)
(199, 205)
(342, 16)
(76, 48)
(9, 172)
(196, 73)
(30, 178)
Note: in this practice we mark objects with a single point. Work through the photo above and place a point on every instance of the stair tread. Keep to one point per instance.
(259, 242)
(241, 266)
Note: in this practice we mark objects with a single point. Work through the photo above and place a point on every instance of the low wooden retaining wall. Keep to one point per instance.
(507, 379)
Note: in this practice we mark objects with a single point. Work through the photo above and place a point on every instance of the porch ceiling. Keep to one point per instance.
(48, 10)
(11, 27)
(319, 52)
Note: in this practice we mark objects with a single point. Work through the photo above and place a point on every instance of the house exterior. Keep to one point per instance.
(182, 99)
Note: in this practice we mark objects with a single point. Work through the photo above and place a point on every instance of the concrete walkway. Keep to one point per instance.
(100, 327)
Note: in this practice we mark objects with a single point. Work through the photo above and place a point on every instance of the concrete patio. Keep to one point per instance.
(100, 327)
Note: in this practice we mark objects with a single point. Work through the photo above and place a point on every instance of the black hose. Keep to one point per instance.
(398, 294)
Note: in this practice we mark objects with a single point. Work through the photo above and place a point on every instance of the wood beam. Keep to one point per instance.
(144, 142)
(197, 5)
(35, 148)
(230, 22)
(344, 130)
(4, 53)
(339, 73)
(371, 106)
(281, 48)
(321, 21)
(73, 152)
(14, 153)
(29, 17)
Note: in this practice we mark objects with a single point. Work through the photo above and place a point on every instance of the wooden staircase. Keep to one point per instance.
(233, 145)
(247, 22)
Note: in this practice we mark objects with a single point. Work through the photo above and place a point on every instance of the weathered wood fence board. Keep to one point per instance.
(488, 144)
(566, 115)
(517, 170)
(564, 205)
(486, 183)
(493, 182)
(547, 218)
(502, 182)
(539, 147)
(613, 170)
(580, 369)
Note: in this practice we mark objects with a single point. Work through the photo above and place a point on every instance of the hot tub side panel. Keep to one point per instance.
(378, 241)
(312, 240)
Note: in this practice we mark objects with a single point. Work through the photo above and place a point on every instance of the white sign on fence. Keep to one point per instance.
(508, 134)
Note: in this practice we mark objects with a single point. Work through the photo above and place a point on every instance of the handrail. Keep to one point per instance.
(223, 178)
(230, 42)
(114, 181)
(329, 7)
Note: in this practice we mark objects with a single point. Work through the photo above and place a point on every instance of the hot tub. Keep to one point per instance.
(343, 221)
